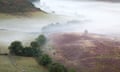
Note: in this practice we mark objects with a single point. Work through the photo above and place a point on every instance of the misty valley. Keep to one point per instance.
(59, 36)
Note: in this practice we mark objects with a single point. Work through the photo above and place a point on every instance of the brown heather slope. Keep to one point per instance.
(87, 52)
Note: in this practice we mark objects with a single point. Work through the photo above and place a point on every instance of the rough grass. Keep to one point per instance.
(17, 63)
(5, 65)
(27, 64)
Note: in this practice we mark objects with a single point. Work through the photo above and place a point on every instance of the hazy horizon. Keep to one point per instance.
(98, 17)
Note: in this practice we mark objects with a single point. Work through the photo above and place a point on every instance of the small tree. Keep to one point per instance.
(56, 67)
(37, 52)
(36, 49)
(34, 44)
(41, 40)
(16, 47)
(45, 60)
(27, 51)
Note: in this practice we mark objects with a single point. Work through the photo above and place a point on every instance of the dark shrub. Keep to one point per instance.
(45, 60)
(57, 67)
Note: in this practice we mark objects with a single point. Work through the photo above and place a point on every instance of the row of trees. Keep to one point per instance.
(34, 50)
(17, 48)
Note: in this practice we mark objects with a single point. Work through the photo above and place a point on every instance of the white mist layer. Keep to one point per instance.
(102, 17)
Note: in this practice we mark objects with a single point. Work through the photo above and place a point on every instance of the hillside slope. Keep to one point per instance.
(87, 52)
(13, 6)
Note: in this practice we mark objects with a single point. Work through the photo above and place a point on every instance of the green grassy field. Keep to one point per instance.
(19, 64)
(10, 63)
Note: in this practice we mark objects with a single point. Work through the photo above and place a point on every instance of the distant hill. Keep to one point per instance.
(13, 6)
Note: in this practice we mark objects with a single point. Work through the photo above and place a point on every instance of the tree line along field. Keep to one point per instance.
(10, 63)
(28, 59)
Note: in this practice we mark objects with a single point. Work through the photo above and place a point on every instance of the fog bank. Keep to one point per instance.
(99, 16)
